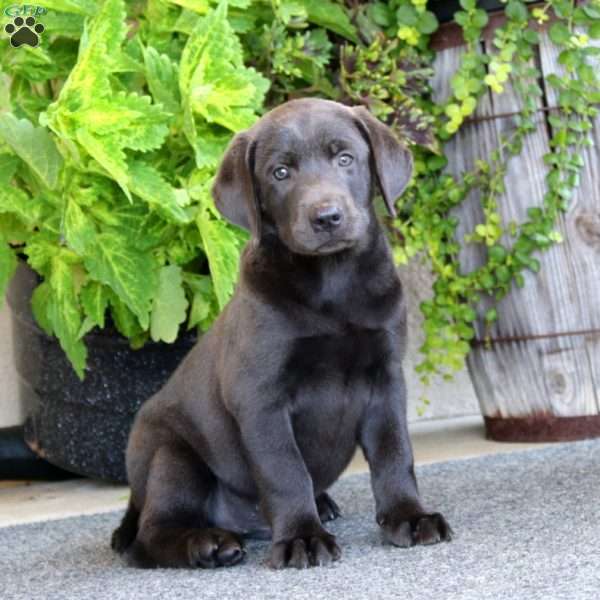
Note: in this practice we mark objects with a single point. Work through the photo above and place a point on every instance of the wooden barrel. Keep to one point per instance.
(539, 379)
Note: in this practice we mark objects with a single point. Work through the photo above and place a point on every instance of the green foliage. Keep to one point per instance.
(428, 227)
(111, 131)
(392, 81)
(102, 160)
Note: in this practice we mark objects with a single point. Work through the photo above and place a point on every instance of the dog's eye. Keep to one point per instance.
(345, 160)
(281, 173)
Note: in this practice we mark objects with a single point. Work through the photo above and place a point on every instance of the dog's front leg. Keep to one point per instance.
(385, 441)
(286, 490)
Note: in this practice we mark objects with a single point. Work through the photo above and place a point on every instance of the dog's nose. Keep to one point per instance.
(326, 217)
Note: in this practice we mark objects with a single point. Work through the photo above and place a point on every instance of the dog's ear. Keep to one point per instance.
(392, 161)
(234, 190)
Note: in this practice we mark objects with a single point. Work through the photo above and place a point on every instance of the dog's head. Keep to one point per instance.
(305, 171)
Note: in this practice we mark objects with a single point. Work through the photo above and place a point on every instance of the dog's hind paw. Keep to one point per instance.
(121, 539)
(423, 529)
(214, 547)
(327, 508)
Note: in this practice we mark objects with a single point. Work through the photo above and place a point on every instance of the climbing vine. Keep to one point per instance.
(427, 226)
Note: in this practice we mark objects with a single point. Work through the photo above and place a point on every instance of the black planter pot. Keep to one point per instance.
(82, 426)
(445, 9)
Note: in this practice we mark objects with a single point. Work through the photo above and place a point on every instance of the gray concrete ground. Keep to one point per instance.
(433, 441)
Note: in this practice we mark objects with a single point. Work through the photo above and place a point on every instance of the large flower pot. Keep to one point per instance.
(536, 371)
(82, 426)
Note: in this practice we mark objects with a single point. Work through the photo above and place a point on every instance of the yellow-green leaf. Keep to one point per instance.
(170, 305)
(64, 313)
(34, 146)
(147, 183)
(130, 273)
(8, 264)
(222, 249)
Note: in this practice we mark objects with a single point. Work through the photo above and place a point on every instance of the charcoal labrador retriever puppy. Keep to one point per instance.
(302, 365)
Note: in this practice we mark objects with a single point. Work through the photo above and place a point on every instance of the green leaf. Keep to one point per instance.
(209, 143)
(79, 228)
(531, 36)
(64, 314)
(222, 251)
(503, 274)
(497, 253)
(436, 163)
(63, 24)
(40, 251)
(147, 183)
(39, 306)
(593, 12)
(15, 201)
(125, 321)
(107, 151)
(534, 265)
(126, 119)
(559, 33)
(213, 79)
(98, 50)
(161, 75)
(204, 306)
(407, 15)
(8, 264)
(130, 273)
(594, 31)
(80, 7)
(94, 300)
(169, 308)
(380, 13)
(480, 19)
(34, 146)
(199, 6)
(427, 23)
(519, 280)
(331, 16)
(8, 166)
(516, 11)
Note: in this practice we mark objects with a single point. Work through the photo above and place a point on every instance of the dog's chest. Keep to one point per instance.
(329, 379)
(340, 359)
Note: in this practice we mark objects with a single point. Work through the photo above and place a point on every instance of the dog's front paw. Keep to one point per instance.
(313, 550)
(420, 529)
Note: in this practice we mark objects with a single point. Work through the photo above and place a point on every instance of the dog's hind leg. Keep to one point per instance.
(174, 527)
(327, 507)
(126, 533)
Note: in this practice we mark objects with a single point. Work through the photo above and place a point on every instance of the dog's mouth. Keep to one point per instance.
(325, 248)
(333, 245)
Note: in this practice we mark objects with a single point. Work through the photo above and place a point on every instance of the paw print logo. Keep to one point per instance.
(24, 31)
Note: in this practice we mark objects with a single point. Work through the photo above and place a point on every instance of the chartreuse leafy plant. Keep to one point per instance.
(111, 131)
(107, 161)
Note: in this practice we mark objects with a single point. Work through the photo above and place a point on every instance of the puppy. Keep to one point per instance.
(302, 365)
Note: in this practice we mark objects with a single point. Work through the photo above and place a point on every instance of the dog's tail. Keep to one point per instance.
(126, 533)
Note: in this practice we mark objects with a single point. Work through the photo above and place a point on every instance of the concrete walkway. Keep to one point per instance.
(28, 502)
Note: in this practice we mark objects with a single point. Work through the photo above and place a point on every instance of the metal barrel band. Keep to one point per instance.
(526, 338)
